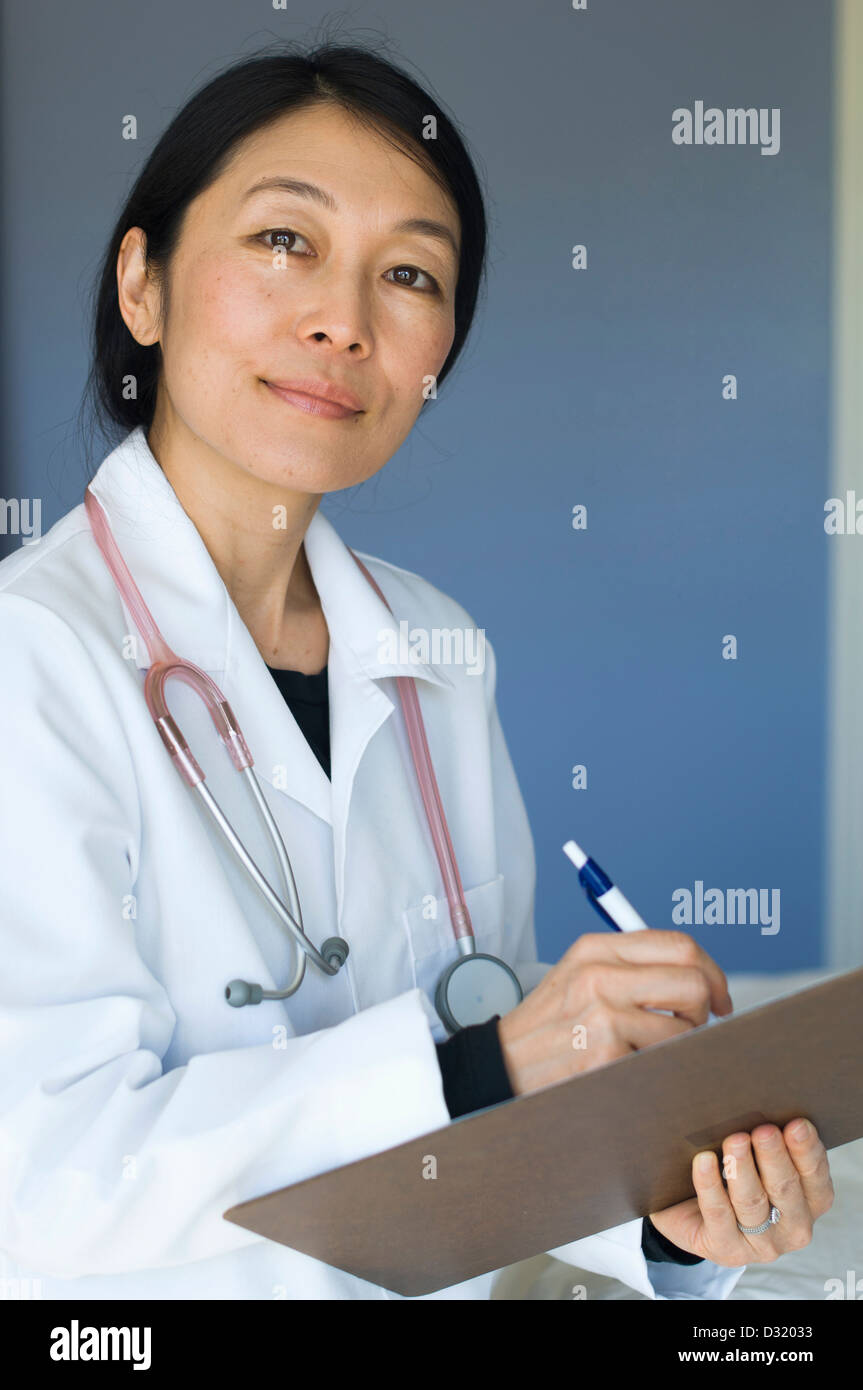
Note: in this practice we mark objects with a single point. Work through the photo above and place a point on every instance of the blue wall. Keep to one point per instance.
(600, 387)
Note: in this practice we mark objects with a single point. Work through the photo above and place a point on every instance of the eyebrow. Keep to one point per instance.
(422, 226)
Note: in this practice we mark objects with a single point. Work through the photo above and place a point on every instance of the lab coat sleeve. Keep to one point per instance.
(616, 1252)
(108, 1163)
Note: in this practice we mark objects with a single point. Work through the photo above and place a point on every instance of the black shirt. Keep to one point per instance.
(308, 699)
(471, 1061)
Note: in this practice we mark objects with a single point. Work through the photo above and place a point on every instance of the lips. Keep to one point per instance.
(317, 397)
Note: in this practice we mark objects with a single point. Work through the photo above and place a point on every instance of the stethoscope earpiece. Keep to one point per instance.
(239, 992)
(335, 951)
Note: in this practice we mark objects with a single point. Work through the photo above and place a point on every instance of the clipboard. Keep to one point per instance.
(604, 1147)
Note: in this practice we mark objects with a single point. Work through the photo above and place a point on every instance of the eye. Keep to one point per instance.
(281, 231)
(414, 270)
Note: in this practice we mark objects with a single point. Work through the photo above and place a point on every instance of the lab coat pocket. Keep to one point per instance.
(430, 934)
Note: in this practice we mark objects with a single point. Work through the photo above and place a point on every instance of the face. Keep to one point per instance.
(280, 287)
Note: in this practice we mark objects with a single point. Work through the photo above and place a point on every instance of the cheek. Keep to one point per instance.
(223, 312)
(420, 356)
(217, 328)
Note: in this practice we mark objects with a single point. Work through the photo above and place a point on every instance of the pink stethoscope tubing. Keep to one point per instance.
(165, 665)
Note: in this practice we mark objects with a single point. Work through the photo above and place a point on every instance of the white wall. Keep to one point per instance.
(844, 858)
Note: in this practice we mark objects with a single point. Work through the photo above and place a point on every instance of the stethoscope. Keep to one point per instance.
(472, 988)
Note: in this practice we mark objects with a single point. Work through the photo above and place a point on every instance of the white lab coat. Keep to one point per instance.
(135, 1104)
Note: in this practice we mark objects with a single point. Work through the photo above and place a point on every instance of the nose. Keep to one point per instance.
(338, 312)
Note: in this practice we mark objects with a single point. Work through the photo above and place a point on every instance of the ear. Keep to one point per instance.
(137, 292)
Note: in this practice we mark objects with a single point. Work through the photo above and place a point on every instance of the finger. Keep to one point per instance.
(809, 1157)
(681, 988)
(745, 1189)
(635, 1027)
(721, 1233)
(655, 947)
(781, 1181)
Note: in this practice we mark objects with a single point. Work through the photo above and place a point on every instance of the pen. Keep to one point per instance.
(608, 900)
(601, 892)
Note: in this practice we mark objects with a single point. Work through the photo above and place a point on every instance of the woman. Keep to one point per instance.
(295, 270)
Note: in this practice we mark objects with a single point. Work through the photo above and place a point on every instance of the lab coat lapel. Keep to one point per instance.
(358, 620)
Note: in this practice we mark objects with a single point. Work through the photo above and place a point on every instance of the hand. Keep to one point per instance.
(598, 1003)
(790, 1173)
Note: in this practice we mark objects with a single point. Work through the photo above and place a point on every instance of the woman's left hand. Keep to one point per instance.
(777, 1168)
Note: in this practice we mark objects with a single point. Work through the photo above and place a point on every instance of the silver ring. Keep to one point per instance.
(774, 1216)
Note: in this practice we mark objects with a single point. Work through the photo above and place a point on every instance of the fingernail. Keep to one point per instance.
(801, 1130)
(704, 1164)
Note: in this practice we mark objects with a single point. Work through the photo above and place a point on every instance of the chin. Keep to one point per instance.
(284, 465)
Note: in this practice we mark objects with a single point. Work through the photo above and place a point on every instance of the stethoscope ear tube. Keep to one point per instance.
(338, 947)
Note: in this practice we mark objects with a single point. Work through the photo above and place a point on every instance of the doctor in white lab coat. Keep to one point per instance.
(136, 1105)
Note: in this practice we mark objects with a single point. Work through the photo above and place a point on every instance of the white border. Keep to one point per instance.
(844, 848)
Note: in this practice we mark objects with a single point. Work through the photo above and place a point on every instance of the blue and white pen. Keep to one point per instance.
(608, 900)
(601, 892)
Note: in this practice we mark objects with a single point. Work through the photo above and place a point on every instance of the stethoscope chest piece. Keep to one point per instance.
(473, 989)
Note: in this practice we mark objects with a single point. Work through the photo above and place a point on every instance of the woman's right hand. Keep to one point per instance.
(594, 1005)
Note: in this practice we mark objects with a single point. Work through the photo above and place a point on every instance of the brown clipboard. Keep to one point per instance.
(581, 1156)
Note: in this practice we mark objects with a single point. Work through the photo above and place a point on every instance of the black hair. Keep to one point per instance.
(198, 145)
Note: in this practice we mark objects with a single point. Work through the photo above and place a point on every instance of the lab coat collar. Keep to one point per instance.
(194, 610)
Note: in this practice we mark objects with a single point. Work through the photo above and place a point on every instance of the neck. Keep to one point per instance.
(253, 530)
